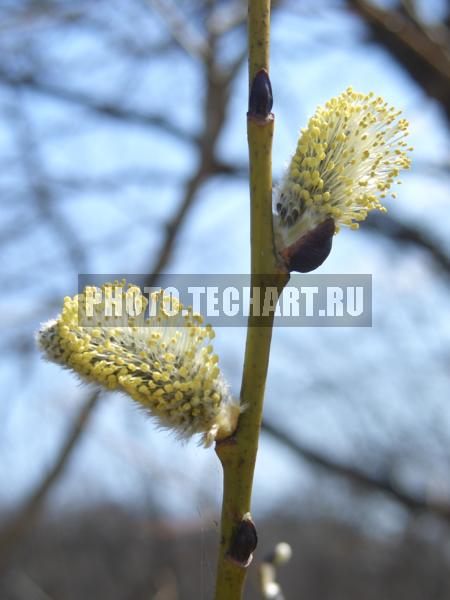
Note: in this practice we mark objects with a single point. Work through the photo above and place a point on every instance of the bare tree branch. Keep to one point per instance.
(399, 231)
(103, 108)
(183, 32)
(356, 476)
(21, 522)
(424, 59)
(40, 192)
(216, 102)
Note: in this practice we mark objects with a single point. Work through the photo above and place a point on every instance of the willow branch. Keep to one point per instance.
(238, 453)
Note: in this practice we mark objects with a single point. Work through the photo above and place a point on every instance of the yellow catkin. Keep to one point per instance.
(165, 362)
(347, 159)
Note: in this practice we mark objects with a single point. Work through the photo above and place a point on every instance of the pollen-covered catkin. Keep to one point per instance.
(347, 159)
(166, 362)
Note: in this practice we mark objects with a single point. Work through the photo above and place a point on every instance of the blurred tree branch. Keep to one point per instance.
(24, 518)
(410, 44)
(404, 233)
(34, 175)
(218, 82)
(182, 31)
(370, 482)
(103, 108)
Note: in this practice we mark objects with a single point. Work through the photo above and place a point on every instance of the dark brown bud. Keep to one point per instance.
(311, 250)
(261, 99)
(244, 542)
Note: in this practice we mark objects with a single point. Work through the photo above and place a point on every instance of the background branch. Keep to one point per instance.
(356, 476)
(20, 523)
(426, 61)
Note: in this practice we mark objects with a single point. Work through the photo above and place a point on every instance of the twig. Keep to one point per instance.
(103, 108)
(238, 453)
(399, 231)
(181, 30)
(424, 59)
(357, 476)
(35, 177)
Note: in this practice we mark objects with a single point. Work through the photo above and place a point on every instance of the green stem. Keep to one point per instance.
(238, 453)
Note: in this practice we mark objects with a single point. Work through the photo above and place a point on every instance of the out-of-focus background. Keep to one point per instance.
(123, 150)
